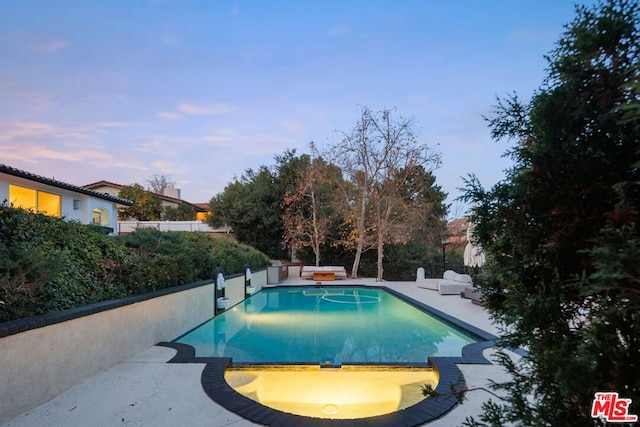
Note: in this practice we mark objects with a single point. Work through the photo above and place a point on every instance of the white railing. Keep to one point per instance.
(130, 226)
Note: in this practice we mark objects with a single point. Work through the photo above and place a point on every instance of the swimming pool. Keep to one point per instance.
(307, 355)
(326, 325)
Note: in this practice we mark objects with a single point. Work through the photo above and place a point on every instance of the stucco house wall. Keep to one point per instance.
(77, 203)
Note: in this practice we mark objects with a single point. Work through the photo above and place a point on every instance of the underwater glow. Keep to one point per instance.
(333, 392)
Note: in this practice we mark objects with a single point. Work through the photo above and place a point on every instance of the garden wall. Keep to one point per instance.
(41, 357)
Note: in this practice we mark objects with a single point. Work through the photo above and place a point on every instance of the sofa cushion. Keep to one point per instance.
(463, 278)
(448, 287)
(449, 275)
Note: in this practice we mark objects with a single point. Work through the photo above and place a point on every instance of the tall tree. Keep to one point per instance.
(562, 227)
(309, 208)
(371, 156)
(146, 205)
(399, 203)
(252, 205)
(427, 222)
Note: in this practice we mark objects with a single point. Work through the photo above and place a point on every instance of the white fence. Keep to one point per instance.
(130, 226)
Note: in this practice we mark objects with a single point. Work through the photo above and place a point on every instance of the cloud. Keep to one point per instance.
(42, 44)
(112, 124)
(34, 153)
(18, 131)
(169, 115)
(199, 110)
(293, 126)
(11, 131)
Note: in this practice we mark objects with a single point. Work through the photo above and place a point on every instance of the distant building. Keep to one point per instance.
(58, 199)
(169, 199)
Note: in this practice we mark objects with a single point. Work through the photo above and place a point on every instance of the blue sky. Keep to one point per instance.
(200, 91)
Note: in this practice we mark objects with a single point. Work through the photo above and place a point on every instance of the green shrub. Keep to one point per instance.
(233, 256)
(49, 264)
(24, 270)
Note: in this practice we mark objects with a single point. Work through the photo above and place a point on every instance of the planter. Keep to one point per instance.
(223, 303)
(251, 290)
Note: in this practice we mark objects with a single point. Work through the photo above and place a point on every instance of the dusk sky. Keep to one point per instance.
(199, 91)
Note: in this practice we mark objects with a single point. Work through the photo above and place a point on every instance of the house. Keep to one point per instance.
(170, 198)
(59, 199)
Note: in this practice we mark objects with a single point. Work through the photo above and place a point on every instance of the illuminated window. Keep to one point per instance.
(201, 216)
(49, 204)
(100, 216)
(37, 201)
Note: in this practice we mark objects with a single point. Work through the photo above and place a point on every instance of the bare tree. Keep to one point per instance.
(158, 183)
(306, 208)
(377, 157)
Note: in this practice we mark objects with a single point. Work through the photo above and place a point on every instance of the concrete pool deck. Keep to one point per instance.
(147, 391)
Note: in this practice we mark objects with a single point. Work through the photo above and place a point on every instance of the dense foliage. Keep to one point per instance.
(306, 203)
(382, 163)
(252, 205)
(562, 228)
(49, 264)
(146, 205)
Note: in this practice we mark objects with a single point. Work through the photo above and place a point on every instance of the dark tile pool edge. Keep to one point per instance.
(218, 390)
(462, 326)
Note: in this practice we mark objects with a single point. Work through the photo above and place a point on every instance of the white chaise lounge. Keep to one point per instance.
(451, 283)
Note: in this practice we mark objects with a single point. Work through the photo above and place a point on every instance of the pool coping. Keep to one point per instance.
(215, 386)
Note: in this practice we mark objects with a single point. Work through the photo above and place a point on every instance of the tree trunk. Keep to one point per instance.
(356, 260)
(380, 257)
(361, 236)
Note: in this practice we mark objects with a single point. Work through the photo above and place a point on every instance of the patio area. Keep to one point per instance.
(147, 391)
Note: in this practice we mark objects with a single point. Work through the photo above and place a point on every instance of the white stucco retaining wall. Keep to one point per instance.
(39, 364)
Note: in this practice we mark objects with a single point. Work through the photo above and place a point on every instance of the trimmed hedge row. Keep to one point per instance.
(49, 264)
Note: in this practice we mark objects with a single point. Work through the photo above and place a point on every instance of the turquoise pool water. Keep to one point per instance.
(326, 325)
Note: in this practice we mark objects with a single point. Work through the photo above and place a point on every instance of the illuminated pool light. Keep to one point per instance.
(344, 393)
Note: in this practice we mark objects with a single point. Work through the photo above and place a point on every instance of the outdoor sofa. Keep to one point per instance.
(452, 283)
(323, 273)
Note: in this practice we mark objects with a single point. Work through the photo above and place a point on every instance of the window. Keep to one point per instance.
(100, 217)
(201, 216)
(37, 201)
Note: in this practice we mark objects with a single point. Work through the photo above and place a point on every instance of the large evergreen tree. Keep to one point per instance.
(252, 204)
(146, 205)
(561, 229)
